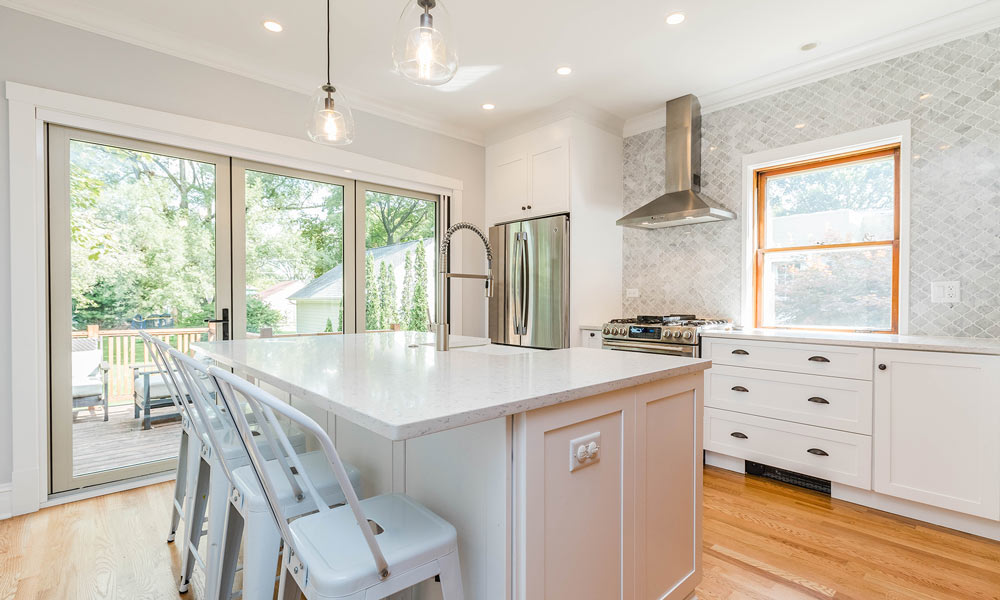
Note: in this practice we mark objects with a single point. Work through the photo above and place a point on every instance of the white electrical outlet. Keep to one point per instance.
(949, 292)
(584, 451)
(631, 293)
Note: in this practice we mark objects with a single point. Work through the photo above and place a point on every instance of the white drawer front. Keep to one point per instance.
(813, 359)
(832, 402)
(835, 455)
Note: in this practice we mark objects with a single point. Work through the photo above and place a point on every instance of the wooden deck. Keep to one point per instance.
(120, 442)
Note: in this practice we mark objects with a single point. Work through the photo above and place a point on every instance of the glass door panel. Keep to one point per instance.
(134, 230)
(293, 249)
(400, 231)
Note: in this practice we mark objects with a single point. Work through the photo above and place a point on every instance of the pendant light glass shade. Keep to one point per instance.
(331, 122)
(423, 48)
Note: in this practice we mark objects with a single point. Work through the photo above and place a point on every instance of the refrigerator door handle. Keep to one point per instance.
(518, 265)
(525, 282)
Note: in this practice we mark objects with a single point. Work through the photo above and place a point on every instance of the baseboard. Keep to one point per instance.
(915, 510)
(6, 500)
(723, 461)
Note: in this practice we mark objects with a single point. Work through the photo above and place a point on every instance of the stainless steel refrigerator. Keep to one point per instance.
(530, 303)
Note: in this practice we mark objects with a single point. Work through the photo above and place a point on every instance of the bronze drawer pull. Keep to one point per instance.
(741, 352)
(822, 359)
(740, 388)
(739, 435)
(817, 452)
(818, 400)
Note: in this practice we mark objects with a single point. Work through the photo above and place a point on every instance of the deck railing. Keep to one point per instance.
(123, 348)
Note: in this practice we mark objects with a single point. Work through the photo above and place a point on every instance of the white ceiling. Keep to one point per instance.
(626, 60)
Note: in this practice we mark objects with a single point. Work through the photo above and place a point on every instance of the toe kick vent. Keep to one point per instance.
(791, 477)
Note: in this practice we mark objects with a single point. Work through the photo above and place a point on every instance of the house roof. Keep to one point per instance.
(328, 286)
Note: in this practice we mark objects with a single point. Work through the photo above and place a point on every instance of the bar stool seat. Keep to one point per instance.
(315, 464)
(331, 543)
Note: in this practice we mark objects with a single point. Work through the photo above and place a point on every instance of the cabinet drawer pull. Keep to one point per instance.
(740, 435)
(741, 352)
(740, 388)
(818, 400)
(817, 452)
(819, 359)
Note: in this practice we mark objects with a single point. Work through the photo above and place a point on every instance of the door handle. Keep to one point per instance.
(739, 435)
(741, 352)
(817, 452)
(820, 359)
(525, 282)
(740, 388)
(518, 264)
(818, 400)
(224, 321)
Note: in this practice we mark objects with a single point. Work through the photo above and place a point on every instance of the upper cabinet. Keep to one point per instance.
(937, 429)
(530, 183)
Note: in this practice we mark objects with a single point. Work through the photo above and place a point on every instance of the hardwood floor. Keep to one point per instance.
(763, 540)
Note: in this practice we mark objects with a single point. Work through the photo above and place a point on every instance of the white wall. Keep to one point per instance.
(47, 54)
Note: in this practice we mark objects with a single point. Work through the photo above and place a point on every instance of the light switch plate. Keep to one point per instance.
(575, 461)
(631, 293)
(949, 292)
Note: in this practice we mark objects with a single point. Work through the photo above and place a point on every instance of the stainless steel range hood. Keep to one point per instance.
(681, 204)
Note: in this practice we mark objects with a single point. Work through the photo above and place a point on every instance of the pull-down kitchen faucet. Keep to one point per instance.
(441, 326)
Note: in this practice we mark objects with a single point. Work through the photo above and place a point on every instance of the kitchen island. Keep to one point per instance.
(572, 473)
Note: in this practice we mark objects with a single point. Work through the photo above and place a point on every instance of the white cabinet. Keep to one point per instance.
(936, 429)
(530, 183)
(590, 338)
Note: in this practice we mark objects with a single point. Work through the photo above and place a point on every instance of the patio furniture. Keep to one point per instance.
(151, 391)
(89, 375)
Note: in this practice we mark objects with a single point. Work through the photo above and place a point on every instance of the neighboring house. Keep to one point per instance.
(277, 296)
(320, 299)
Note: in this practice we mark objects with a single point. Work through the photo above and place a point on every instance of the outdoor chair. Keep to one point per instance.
(89, 375)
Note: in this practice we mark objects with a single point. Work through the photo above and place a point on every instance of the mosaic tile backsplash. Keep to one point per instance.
(955, 184)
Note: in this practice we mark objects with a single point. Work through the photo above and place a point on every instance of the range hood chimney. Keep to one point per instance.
(681, 204)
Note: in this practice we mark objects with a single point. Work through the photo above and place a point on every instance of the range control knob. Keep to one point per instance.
(607, 331)
(688, 335)
(622, 331)
(677, 334)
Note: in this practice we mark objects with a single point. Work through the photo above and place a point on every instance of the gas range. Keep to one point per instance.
(677, 335)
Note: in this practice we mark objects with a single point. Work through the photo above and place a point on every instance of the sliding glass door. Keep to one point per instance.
(138, 240)
(189, 247)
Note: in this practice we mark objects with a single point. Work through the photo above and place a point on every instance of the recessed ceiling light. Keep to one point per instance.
(800, 125)
(489, 106)
(808, 47)
(348, 171)
(924, 96)
(564, 70)
(675, 18)
(273, 26)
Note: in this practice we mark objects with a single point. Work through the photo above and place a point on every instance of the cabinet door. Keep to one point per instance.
(591, 338)
(549, 180)
(937, 429)
(510, 189)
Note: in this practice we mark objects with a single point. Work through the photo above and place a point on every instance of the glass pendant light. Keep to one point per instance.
(423, 48)
(331, 120)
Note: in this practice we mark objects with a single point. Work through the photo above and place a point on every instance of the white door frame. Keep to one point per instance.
(29, 109)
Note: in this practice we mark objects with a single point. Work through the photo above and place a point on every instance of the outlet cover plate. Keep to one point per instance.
(575, 443)
(949, 292)
(631, 293)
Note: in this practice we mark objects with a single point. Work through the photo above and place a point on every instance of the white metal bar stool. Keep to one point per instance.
(236, 503)
(368, 549)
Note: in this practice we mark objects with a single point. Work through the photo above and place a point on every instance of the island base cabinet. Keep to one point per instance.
(936, 430)
(623, 522)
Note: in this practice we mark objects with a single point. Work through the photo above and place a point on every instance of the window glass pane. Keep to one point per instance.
(295, 254)
(847, 288)
(400, 261)
(853, 202)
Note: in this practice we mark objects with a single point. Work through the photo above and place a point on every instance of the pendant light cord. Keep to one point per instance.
(327, 42)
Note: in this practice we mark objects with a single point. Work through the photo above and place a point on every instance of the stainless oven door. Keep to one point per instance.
(652, 348)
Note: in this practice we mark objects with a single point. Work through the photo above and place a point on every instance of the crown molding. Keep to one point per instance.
(959, 24)
(359, 100)
(570, 107)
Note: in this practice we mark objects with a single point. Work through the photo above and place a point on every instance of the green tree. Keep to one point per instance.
(373, 304)
(395, 219)
(419, 306)
(329, 326)
(341, 317)
(387, 293)
(406, 298)
(260, 314)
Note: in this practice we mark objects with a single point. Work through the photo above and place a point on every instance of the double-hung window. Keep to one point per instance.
(827, 243)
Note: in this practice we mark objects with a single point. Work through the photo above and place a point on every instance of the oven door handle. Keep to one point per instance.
(650, 347)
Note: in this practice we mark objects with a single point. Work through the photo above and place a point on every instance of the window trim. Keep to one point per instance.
(856, 142)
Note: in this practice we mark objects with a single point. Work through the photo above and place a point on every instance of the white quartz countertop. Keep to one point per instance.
(963, 345)
(397, 385)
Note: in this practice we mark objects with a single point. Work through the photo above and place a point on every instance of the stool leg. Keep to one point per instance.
(232, 537)
(260, 556)
(194, 525)
(218, 500)
(180, 486)
(451, 577)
